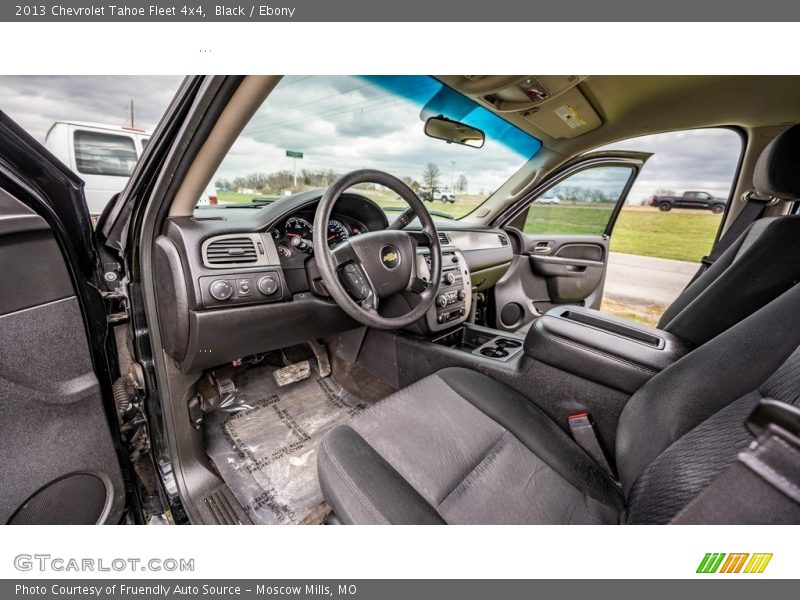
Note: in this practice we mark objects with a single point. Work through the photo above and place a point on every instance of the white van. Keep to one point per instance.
(102, 155)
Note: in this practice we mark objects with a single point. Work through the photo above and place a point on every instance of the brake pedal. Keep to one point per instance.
(293, 373)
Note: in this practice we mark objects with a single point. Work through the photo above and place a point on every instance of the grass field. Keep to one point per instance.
(465, 203)
(646, 231)
(677, 234)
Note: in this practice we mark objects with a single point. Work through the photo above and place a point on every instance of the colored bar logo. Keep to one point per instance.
(741, 562)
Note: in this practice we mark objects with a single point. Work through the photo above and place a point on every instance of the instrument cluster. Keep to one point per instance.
(295, 235)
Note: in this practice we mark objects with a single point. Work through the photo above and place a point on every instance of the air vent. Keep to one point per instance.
(503, 239)
(443, 239)
(231, 251)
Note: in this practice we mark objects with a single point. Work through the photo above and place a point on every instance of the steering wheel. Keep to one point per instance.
(361, 270)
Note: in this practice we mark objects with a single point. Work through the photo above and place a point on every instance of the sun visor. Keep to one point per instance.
(566, 116)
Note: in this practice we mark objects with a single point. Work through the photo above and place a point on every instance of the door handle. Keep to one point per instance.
(543, 249)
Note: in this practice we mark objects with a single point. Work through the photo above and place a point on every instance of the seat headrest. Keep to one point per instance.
(777, 171)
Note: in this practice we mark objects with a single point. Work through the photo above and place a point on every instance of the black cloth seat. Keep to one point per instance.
(459, 447)
(456, 441)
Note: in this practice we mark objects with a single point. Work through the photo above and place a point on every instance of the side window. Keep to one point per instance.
(580, 204)
(104, 153)
(145, 141)
(658, 239)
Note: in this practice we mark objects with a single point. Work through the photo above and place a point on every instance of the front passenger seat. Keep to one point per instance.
(459, 447)
(761, 263)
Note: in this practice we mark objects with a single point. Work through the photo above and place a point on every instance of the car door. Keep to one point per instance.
(561, 247)
(60, 459)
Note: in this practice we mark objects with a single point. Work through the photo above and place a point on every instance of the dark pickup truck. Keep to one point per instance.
(692, 199)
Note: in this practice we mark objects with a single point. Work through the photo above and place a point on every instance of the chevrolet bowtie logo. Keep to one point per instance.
(741, 562)
(390, 257)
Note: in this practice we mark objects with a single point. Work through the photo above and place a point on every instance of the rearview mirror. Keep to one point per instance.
(454, 132)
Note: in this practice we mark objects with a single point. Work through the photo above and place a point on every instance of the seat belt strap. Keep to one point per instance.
(763, 485)
(752, 211)
(580, 424)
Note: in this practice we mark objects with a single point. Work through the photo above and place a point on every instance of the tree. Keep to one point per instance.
(461, 184)
(412, 183)
(430, 176)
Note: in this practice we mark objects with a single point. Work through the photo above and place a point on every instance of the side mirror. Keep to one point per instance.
(454, 132)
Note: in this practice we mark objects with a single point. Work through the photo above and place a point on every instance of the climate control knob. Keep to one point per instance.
(441, 300)
(450, 277)
(220, 290)
(267, 285)
(461, 294)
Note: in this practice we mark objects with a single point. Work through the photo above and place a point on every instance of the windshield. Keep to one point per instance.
(313, 129)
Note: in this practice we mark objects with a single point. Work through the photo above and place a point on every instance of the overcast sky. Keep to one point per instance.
(345, 123)
(35, 102)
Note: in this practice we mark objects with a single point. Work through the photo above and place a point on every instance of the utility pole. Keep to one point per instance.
(453, 176)
(132, 125)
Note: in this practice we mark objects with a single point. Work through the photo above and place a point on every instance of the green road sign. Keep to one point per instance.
(294, 154)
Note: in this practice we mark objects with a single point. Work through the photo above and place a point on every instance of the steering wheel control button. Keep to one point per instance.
(390, 257)
(267, 285)
(220, 290)
(355, 282)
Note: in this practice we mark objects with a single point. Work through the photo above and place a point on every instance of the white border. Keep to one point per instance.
(399, 48)
(272, 552)
(373, 552)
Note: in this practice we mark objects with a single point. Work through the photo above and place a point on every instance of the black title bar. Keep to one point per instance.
(406, 10)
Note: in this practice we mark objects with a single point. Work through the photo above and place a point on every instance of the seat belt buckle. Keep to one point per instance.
(584, 434)
(772, 412)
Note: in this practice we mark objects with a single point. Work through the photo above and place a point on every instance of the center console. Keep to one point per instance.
(482, 342)
(454, 296)
(602, 348)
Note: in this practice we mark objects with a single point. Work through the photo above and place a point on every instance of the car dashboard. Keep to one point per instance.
(233, 282)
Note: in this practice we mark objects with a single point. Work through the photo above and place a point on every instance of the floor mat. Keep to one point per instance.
(266, 451)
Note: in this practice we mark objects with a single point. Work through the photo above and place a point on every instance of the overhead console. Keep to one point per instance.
(614, 352)
(553, 103)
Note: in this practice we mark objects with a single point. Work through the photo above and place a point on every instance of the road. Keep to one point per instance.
(644, 280)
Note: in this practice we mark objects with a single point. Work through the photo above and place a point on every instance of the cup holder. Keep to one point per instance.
(499, 348)
(505, 343)
(494, 352)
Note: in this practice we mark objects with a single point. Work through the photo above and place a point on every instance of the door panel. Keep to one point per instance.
(58, 460)
(572, 271)
(561, 245)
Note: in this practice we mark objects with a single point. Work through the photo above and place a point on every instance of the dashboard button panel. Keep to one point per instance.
(240, 288)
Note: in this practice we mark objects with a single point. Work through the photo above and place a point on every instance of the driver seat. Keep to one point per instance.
(459, 447)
